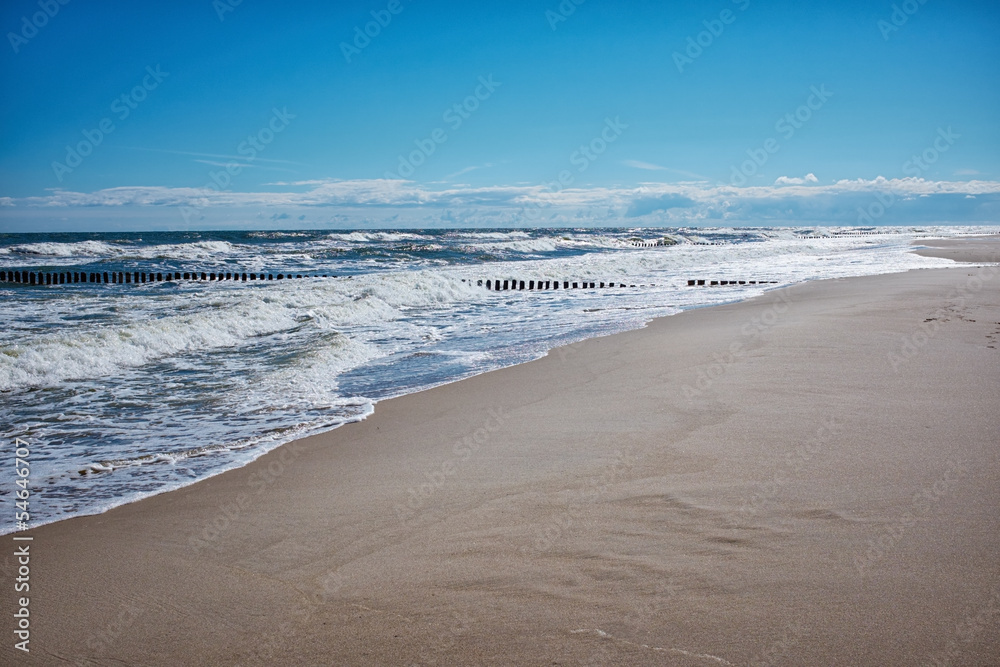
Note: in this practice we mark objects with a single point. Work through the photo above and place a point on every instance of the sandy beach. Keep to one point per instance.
(969, 249)
(810, 477)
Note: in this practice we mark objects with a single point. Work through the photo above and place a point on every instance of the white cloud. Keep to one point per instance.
(790, 180)
(788, 200)
(286, 183)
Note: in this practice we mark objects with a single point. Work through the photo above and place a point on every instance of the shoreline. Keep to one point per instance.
(954, 249)
(355, 526)
(319, 431)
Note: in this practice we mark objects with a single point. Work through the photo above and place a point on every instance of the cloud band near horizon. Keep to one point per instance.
(387, 202)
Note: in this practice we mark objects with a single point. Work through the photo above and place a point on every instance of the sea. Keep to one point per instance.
(122, 391)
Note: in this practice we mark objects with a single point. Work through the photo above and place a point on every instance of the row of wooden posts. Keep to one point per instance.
(125, 277)
(652, 244)
(140, 277)
(667, 244)
(715, 283)
(505, 285)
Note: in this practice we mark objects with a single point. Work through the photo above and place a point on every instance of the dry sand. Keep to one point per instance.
(970, 249)
(811, 477)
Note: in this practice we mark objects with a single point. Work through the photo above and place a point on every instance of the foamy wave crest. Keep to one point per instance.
(524, 243)
(86, 249)
(527, 246)
(49, 360)
(491, 236)
(277, 235)
(195, 250)
(311, 378)
(786, 260)
(224, 319)
(378, 237)
(79, 249)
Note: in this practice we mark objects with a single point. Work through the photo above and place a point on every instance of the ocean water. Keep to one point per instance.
(124, 391)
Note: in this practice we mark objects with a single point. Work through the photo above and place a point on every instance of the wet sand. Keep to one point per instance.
(809, 477)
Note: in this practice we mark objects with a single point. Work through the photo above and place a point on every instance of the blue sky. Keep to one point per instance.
(598, 113)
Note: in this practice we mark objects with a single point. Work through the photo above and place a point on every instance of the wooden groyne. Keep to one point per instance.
(699, 282)
(501, 285)
(141, 277)
(146, 277)
(667, 242)
(511, 284)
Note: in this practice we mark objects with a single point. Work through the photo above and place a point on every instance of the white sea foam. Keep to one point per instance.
(224, 318)
(379, 237)
(80, 249)
(196, 250)
(212, 376)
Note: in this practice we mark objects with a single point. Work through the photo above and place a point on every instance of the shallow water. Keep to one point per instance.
(124, 391)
